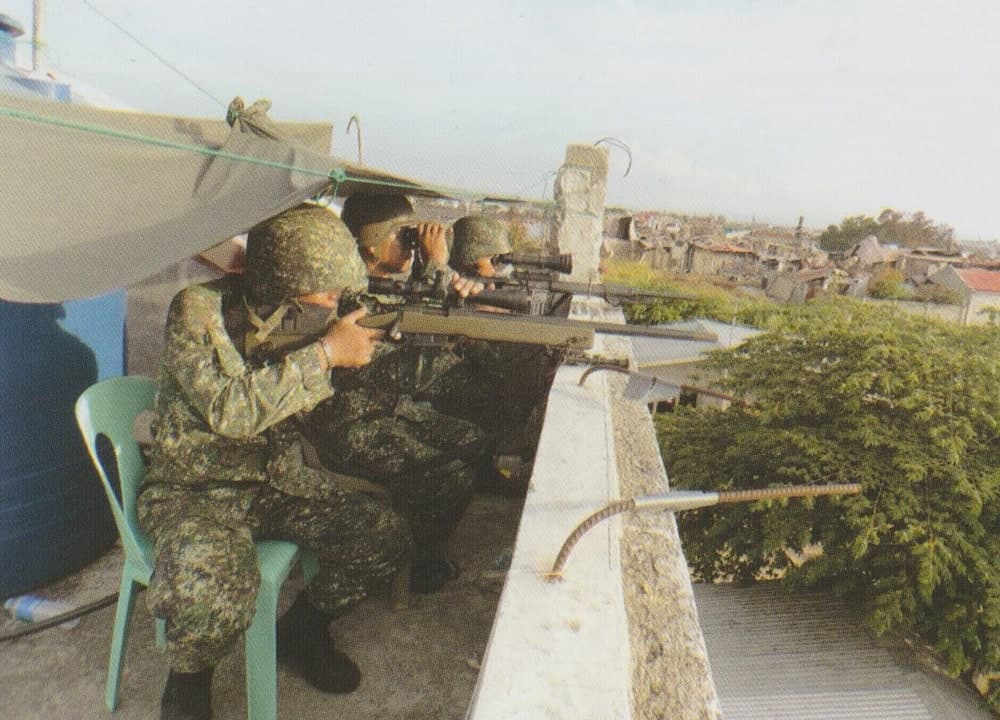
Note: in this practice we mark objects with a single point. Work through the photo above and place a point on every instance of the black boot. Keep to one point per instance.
(304, 643)
(429, 574)
(187, 696)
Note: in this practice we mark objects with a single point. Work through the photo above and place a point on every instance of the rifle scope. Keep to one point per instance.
(560, 263)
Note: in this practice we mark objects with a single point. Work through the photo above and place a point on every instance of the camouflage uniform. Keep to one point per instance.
(377, 424)
(374, 427)
(499, 386)
(227, 468)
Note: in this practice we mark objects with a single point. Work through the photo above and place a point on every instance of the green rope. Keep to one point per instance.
(159, 142)
(338, 175)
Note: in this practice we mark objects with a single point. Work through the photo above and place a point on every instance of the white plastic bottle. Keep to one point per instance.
(34, 609)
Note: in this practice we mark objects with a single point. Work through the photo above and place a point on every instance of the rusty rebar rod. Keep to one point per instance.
(676, 500)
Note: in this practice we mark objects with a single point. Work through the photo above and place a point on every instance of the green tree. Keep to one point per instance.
(852, 230)
(913, 231)
(892, 227)
(844, 391)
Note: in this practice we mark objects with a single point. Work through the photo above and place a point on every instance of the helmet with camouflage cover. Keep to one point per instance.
(370, 218)
(304, 250)
(477, 236)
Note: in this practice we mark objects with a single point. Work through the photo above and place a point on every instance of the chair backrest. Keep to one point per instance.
(109, 408)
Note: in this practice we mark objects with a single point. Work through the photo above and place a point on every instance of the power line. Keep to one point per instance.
(155, 54)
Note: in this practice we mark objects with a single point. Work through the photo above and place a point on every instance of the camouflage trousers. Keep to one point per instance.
(426, 460)
(206, 577)
(502, 388)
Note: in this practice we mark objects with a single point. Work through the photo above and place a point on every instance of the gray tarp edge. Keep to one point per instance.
(90, 204)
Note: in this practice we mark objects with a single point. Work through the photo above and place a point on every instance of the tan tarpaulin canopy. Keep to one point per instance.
(91, 200)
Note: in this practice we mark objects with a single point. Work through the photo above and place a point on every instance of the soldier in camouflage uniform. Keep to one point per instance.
(378, 424)
(228, 467)
(501, 387)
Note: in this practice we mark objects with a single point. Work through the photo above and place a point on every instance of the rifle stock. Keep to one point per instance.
(492, 327)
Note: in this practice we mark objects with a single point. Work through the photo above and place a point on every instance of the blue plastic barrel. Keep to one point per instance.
(54, 517)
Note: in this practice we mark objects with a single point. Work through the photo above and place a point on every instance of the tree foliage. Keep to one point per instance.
(913, 231)
(908, 406)
(909, 230)
(852, 230)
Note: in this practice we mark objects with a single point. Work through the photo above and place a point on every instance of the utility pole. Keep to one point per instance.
(36, 36)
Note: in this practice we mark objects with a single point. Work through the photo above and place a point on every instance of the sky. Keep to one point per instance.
(749, 109)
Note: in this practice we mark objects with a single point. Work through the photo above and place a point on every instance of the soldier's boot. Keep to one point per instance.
(187, 696)
(304, 643)
(430, 573)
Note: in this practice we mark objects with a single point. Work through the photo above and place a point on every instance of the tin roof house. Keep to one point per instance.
(979, 289)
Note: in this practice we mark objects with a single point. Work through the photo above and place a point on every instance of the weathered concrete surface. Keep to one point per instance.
(419, 663)
(618, 635)
(580, 188)
(671, 673)
(559, 648)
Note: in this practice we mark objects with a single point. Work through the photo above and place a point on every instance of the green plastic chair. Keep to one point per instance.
(109, 408)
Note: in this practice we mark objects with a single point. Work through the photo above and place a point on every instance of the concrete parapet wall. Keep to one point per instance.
(580, 188)
(617, 636)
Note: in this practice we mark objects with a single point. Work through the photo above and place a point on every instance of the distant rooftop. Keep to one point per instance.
(982, 280)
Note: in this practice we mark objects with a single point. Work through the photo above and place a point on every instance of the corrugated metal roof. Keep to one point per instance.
(982, 280)
(776, 656)
(666, 351)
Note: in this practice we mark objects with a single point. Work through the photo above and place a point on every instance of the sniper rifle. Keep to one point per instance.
(433, 298)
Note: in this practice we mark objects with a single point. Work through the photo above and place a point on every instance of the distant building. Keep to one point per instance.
(979, 289)
(871, 254)
(720, 259)
(797, 286)
(920, 263)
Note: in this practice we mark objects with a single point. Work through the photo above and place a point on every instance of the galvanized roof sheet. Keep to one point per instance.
(777, 656)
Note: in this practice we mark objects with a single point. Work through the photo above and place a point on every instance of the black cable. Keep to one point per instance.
(34, 627)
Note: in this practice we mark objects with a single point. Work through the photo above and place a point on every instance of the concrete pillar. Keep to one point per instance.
(580, 187)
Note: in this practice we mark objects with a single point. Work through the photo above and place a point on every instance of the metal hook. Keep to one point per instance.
(356, 121)
(615, 142)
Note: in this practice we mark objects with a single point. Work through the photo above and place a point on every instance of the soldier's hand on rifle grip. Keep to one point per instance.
(465, 286)
(347, 344)
(433, 245)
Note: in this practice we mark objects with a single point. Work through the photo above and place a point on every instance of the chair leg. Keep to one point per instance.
(119, 638)
(261, 656)
(161, 634)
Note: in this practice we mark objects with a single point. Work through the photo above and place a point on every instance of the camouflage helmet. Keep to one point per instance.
(477, 236)
(371, 218)
(303, 250)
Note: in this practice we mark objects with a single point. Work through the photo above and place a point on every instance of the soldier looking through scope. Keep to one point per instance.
(380, 424)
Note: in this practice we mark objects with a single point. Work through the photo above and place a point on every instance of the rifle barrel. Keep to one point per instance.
(609, 328)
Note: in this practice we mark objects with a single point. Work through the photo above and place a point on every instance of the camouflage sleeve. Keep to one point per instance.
(235, 399)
